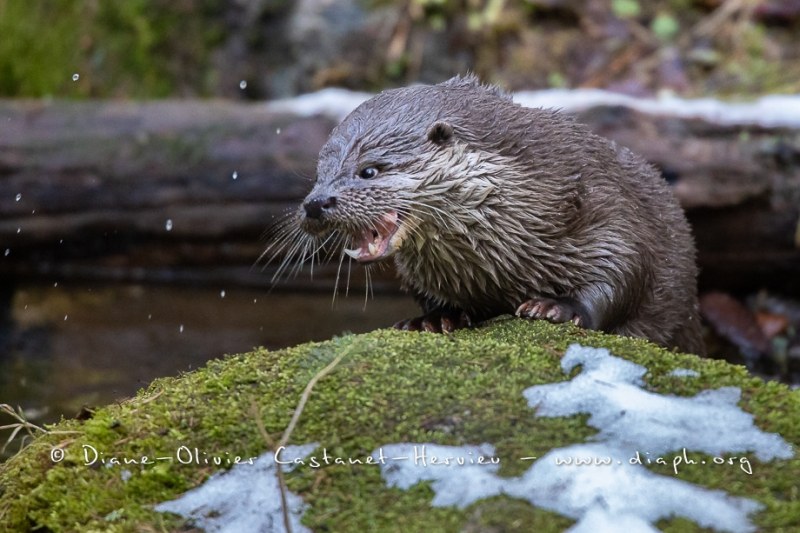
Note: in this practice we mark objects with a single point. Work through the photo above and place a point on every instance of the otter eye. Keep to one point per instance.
(367, 173)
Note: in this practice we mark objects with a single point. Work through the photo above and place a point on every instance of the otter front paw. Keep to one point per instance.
(437, 322)
(552, 310)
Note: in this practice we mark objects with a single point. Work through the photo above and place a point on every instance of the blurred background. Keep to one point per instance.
(142, 158)
(203, 48)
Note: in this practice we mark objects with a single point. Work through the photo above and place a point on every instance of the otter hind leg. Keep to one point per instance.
(555, 310)
(437, 321)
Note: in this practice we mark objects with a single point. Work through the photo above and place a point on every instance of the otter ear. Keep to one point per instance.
(440, 133)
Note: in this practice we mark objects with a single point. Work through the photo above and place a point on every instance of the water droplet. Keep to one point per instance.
(76, 77)
(61, 241)
(222, 294)
(8, 252)
(243, 85)
(19, 230)
(150, 317)
(55, 284)
(168, 225)
(278, 131)
(180, 329)
(255, 300)
(33, 212)
(19, 196)
(235, 175)
(65, 317)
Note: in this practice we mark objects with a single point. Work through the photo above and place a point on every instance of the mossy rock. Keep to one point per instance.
(390, 387)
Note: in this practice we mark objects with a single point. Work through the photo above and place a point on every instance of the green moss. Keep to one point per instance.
(391, 387)
(39, 50)
(135, 48)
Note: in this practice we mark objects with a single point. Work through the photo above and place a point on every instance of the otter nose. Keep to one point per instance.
(316, 206)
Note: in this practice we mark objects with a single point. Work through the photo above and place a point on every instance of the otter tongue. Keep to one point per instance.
(374, 243)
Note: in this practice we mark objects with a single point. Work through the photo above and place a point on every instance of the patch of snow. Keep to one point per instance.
(454, 484)
(613, 497)
(245, 498)
(609, 390)
(332, 102)
(625, 492)
(684, 373)
(599, 520)
(767, 111)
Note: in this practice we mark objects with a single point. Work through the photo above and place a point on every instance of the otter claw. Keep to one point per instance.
(409, 324)
(550, 309)
(431, 326)
(436, 322)
(448, 326)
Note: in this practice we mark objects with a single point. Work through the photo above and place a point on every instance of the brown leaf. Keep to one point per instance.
(734, 322)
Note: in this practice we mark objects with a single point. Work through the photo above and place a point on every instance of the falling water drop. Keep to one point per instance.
(222, 294)
(168, 225)
(76, 77)
(243, 85)
(278, 131)
(8, 252)
(235, 175)
(18, 197)
(180, 329)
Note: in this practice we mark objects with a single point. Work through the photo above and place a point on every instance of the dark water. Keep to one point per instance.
(63, 347)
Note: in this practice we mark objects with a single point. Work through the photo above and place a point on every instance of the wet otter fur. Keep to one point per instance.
(488, 207)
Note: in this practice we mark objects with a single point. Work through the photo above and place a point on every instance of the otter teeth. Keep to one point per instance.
(356, 253)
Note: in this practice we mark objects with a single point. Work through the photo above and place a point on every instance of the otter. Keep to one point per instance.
(490, 208)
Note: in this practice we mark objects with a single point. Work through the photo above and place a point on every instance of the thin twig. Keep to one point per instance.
(307, 393)
(23, 423)
(287, 433)
(18, 426)
(278, 470)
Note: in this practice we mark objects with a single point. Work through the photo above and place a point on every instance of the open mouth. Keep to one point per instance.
(375, 242)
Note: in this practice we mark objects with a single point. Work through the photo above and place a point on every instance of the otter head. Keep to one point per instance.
(369, 173)
(420, 174)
